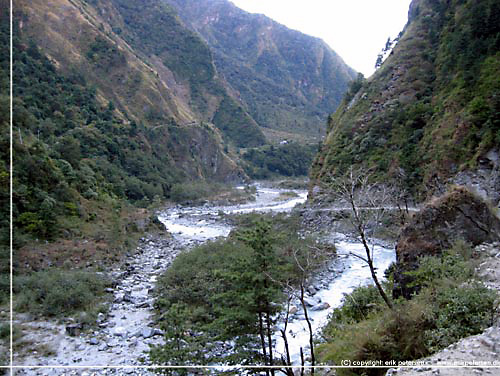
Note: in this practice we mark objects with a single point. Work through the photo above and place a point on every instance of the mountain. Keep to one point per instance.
(97, 124)
(430, 115)
(139, 56)
(121, 101)
(287, 81)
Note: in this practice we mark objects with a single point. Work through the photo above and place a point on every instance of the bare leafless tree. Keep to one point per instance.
(367, 202)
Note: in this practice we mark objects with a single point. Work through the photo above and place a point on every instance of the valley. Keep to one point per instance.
(122, 335)
(189, 188)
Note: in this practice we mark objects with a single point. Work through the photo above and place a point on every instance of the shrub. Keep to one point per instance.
(56, 292)
(460, 312)
(223, 286)
(446, 309)
(358, 305)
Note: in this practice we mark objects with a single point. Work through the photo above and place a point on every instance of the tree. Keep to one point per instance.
(181, 346)
(264, 290)
(367, 203)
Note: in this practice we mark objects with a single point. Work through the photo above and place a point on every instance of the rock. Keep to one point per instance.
(147, 332)
(158, 332)
(94, 341)
(456, 215)
(100, 317)
(293, 310)
(310, 302)
(74, 330)
(127, 297)
(320, 307)
(102, 347)
(120, 331)
(144, 304)
(312, 290)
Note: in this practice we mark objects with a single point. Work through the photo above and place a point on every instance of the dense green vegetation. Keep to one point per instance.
(56, 292)
(4, 195)
(152, 27)
(229, 290)
(67, 148)
(447, 308)
(432, 108)
(196, 192)
(291, 159)
(237, 125)
(4, 165)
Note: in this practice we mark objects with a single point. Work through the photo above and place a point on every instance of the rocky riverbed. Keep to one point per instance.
(124, 333)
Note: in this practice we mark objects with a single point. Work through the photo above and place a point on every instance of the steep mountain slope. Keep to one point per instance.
(431, 112)
(139, 56)
(95, 126)
(288, 81)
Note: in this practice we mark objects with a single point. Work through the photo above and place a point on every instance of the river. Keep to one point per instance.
(127, 330)
(203, 223)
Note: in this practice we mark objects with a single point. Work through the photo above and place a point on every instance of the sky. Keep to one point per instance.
(355, 29)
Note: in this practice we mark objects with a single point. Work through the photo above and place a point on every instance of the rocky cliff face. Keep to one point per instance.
(458, 215)
(289, 82)
(429, 115)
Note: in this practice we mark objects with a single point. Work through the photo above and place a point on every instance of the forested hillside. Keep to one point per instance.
(288, 81)
(431, 111)
(83, 148)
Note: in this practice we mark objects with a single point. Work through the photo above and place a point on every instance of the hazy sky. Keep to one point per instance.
(356, 29)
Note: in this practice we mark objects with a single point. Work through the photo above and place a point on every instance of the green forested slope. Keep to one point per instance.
(78, 161)
(68, 148)
(288, 81)
(152, 27)
(432, 109)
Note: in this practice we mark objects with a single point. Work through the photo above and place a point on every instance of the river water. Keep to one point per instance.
(203, 223)
(127, 330)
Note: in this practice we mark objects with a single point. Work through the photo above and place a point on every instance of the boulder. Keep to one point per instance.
(94, 341)
(158, 332)
(74, 330)
(293, 310)
(310, 302)
(320, 307)
(127, 297)
(457, 215)
(147, 332)
(120, 331)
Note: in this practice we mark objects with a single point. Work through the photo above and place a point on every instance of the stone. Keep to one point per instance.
(101, 317)
(128, 298)
(158, 332)
(311, 290)
(144, 304)
(320, 307)
(102, 347)
(94, 341)
(293, 310)
(310, 302)
(120, 331)
(147, 332)
(457, 215)
(74, 330)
